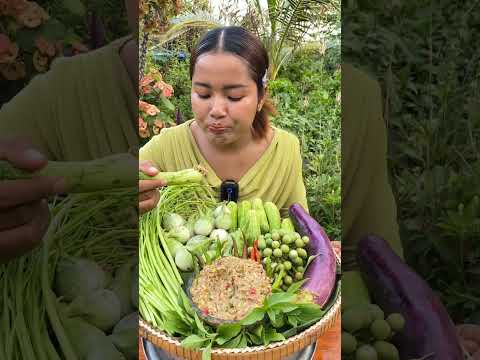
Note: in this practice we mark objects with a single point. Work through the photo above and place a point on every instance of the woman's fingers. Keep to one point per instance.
(18, 192)
(19, 240)
(147, 195)
(20, 153)
(148, 168)
(148, 201)
(17, 216)
(147, 185)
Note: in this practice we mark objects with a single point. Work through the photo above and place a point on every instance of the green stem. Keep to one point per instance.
(116, 171)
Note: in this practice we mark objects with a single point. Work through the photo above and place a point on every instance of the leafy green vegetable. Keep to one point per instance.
(194, 342)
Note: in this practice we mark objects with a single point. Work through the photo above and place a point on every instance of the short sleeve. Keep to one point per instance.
(153, 151)
(298, 192)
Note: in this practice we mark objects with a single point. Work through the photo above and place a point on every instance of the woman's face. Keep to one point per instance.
(224, 98)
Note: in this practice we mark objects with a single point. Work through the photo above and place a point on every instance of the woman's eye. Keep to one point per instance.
(201, 96)
(235, 98)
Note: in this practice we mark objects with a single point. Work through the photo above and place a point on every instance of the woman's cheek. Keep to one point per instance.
(199, 106)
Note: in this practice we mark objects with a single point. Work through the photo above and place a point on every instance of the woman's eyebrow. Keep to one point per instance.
(226, 87)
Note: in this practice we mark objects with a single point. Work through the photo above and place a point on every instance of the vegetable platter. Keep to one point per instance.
(233, 280)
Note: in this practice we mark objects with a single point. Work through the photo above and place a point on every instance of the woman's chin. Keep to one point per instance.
(222, 140)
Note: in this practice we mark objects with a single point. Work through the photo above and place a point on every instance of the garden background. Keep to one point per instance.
(304, 77)
(425, 56)
(34, 33)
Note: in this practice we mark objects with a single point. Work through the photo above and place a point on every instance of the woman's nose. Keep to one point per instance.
(218, 108)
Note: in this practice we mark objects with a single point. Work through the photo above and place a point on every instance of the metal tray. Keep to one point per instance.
(154, 353)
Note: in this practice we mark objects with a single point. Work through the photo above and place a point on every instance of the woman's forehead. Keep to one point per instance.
(221, 66)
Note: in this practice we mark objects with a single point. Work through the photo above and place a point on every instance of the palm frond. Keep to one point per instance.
(183, 23)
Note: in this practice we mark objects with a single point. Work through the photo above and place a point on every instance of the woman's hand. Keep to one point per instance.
(470, 339)
(148, 189)
(24, 213)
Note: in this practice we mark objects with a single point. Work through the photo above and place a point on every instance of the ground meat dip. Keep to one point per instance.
(230, 288)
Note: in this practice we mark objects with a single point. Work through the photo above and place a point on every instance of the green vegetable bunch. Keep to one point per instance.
(366, 333)
(284, 256)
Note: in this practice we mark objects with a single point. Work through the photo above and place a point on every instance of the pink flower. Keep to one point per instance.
(40, 62)
(142, 125)
(31, 15)
(146, 80)
(45, 47)
(8, 50)
(144, 133)
(167, 90)
(152, 110)
(143, 106)
(147, 89)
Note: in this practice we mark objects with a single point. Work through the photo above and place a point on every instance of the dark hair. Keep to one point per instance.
(239, 41)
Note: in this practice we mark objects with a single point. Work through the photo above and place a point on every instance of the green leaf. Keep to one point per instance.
(295, 286)
(175, 324)
(167, 103)
(271, 315)
(75, 7)
(228, 331)
(292, 320)
(258, 330)
(272, 335)
(199, 324)
(194, 342)
(233, 343)
(26, 38)
(207, 352)
(255, 315)
(54, 30)
(243, 341)
(309, 312)
(279, 321)
(284, 307)
(254, 339)
(278, 298)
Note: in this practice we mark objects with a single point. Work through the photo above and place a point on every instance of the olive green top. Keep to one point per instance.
(84, 107)
(368, 206)
(276, 176)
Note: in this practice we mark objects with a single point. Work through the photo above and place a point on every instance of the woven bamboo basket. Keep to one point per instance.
(274, 351)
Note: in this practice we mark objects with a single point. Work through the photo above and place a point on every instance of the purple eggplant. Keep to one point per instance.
(396, 288)
(321, 272)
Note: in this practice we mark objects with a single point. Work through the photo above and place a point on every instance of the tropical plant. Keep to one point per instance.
(155, 111)
(283, 24)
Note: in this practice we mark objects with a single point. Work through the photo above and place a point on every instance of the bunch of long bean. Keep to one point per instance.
(91, 225)
(163, 301)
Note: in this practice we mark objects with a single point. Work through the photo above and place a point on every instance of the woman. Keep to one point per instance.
(230, 134)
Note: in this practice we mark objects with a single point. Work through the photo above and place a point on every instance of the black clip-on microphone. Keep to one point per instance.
(229, 191)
